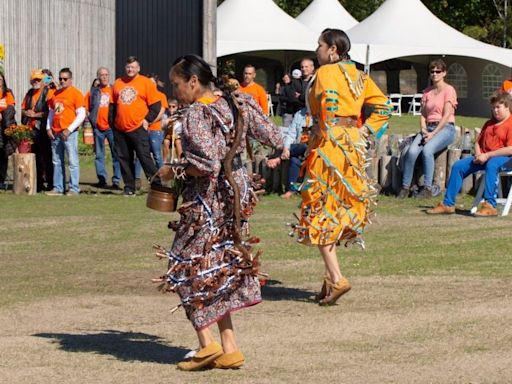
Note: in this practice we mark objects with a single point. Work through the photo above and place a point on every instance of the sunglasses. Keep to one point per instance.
(63, 78)
(436, 72)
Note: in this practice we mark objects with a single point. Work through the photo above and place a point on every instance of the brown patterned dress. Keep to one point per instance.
(210, 275)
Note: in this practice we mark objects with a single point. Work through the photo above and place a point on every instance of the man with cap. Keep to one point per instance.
(34, 113)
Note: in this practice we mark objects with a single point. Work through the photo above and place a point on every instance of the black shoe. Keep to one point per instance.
(404, 192)
(128, 193)
(100, 184)
(425, 193)
(116, 187)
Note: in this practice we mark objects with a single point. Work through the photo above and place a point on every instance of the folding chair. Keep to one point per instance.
(270, 105)
(500, 200)
(415, 104)
(396, 102)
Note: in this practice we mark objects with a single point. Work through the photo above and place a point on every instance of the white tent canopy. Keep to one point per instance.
(321, 14)
(259, 25)
(401, 28)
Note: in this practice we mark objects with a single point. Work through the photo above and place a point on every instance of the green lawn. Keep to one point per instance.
(101, 243)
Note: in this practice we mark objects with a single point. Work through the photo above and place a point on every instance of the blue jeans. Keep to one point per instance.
(465, 167)
(70, 146)
(296, 156)
(99, 162)
(440, 141)
(156, 139)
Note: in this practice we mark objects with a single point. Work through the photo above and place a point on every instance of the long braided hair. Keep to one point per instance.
(193, 65)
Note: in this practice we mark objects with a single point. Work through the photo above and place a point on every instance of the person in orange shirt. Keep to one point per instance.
(34, 113)
(506, 86)
(254, 89)
(7, 118)
(156, 135)
(98, 103)
(137, 104)
(66, 114)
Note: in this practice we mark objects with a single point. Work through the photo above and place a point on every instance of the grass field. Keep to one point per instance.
(431, 300)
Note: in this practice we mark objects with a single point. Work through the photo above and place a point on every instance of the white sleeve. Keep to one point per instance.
(49, 120)
(80, 117)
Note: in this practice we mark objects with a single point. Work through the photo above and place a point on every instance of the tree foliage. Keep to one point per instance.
(480, 19)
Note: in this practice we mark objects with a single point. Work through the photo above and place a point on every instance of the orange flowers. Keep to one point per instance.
(19, 133)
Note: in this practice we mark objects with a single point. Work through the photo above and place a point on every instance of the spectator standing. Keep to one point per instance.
(66, 113)
(254, 89)
(98, 103)
(7, 118)
(137, 105)
(34, 113)
(286, 100)
(307, 68)
(156, 135)
(172, 141)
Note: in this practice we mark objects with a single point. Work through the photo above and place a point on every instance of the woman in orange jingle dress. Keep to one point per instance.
(336, 192)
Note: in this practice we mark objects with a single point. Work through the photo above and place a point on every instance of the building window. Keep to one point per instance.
(492, 77)
(380, 78)
(458, 78)
(408, 81)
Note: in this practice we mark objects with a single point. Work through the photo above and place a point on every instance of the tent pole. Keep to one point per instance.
(367, 63)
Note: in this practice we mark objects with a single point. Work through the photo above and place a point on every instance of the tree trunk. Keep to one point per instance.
(24, 174)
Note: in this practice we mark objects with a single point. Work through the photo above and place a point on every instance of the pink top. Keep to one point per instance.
(432, 105)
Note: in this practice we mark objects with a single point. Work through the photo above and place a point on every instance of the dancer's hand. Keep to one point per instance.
(272, 163)
(286, 154)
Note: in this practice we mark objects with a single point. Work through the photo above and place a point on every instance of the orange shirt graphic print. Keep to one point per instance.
(127, 95)
(59, 108)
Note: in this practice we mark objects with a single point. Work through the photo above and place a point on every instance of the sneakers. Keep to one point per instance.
(53, 192)
(441, 209)
(100, 184)
(425, 193)
(404, 192)
(128, 193)
(486, 210)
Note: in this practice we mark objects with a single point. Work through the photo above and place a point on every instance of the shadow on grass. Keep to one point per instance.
(274, 291)
(127, 346)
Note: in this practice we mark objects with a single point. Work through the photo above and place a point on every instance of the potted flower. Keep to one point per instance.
(21, 135)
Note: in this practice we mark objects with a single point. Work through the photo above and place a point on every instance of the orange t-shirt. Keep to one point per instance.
(132, 98)
(6, 100)
(259, 94)
(65, 102)
(158, 125)
(495, 136)
(105, 100)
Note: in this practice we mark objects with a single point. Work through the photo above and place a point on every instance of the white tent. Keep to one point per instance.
(321, 14)
(259, 25)
(401, 28)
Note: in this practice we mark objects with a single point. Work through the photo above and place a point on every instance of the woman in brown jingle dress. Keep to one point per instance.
(211, 264)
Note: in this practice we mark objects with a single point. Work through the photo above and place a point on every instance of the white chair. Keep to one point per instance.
(396, 102)
(415, 104)
(500, 200)
(270, 105)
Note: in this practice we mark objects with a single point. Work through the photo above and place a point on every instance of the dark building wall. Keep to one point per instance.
(157, 32)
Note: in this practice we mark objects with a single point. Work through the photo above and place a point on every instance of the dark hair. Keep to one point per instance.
(501, 98)
(95, 81)
(66, 70)
(190, 65)
(437, 63)
(339, 39)
(4, 85)
(47, 72)
(132, 59)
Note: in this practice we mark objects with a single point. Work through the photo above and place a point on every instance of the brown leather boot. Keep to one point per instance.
(486, 210)
(233, 360)
(341, 287)
(441, 209)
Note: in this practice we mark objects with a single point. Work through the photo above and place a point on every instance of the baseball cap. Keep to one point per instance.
(296, 74)
(36, 74)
